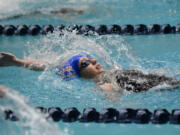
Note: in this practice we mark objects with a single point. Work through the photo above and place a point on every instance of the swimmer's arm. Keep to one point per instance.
(21, 15)
(111, 94)
(8, 59)
(31, 64)
(67, 11)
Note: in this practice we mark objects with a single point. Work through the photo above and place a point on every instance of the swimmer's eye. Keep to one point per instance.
(84, 64)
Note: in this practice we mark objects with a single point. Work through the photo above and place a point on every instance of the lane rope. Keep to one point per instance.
(106, 115)
(140, 29)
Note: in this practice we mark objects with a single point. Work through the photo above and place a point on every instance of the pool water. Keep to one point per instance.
(153, 53)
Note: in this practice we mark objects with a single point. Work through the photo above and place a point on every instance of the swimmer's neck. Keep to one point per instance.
(97, 79)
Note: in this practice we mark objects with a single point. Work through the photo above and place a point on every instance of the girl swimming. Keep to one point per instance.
(88, 68)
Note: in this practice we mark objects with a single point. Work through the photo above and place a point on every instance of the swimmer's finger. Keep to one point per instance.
(6, 54)
(7, 59)
(3, 53)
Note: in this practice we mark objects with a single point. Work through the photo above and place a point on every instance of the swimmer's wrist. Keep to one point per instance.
(19, 62)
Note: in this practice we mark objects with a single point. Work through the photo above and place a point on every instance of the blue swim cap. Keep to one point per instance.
(71, 68)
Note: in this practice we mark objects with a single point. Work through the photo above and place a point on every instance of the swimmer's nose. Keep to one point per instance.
(93, 61)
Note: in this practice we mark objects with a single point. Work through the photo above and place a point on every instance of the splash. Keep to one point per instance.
(111, 51)
(31, 122)
(56, 48)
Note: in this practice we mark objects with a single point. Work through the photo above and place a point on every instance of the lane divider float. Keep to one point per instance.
(106, 115)
(140, 29)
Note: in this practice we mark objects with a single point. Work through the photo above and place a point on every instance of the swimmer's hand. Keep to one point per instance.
(7, 59)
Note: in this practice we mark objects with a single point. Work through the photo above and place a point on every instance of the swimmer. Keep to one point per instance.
(111, 81)
(60, 12)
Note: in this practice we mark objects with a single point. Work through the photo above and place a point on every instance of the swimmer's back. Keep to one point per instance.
(137, 81)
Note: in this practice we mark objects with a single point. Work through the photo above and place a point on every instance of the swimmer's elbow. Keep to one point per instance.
(37, 67)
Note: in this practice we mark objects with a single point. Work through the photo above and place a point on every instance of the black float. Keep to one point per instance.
(71, 114)
(89, 115)
(126, 115)
(139, 29)
(175, 116)
(55, 113)
(160, 116)
(107, 115)
(21, 30)
(34, 30)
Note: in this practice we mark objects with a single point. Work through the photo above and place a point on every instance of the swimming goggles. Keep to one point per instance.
(84, 64)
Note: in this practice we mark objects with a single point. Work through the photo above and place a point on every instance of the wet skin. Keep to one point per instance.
(92, 70)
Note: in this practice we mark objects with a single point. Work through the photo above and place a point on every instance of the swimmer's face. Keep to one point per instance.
(89, 68)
